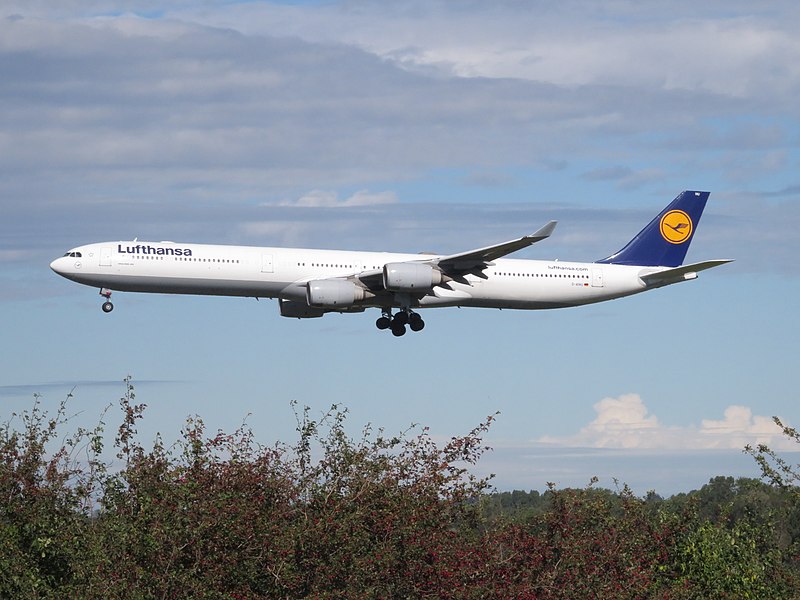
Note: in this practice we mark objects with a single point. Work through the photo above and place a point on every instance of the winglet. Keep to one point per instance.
(543, 232)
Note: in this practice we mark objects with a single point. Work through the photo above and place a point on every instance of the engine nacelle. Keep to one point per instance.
(410, 277)
(299, 310)
(333, 293)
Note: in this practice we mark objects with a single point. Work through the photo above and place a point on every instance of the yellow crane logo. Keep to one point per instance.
(676, 227)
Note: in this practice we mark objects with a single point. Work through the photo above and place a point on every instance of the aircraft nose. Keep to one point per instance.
(58, 265)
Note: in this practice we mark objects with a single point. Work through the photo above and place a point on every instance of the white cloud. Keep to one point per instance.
(726, 48)
(624, 422)
(330, 199)
(285, 233)
(740, 427)
(8, 256)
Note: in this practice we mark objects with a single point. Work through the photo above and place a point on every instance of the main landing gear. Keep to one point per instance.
(107, 306)
(398, 322)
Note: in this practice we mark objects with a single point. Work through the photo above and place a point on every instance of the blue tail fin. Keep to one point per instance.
(665, 240)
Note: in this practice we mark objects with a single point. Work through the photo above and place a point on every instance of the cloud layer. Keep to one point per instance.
(625, 422)
(200, 113)
(742, 52)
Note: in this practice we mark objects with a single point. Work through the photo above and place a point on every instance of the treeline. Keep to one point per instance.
(723, 500)
(220, 516)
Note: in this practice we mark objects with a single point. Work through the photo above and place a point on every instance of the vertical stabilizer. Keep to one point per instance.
(665, 240)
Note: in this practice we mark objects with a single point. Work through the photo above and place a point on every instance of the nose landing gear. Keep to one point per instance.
(107, 306)
(398, 322)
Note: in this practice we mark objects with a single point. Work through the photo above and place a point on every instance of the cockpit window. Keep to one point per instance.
(73, 254)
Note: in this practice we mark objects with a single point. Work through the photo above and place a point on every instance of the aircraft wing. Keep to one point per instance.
(682, 273)
(460, 264)
(456, 266)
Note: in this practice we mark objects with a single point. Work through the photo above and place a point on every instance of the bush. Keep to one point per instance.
(45, 503)
(219, 515)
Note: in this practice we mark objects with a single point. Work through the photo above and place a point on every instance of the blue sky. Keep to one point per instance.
(415, 126)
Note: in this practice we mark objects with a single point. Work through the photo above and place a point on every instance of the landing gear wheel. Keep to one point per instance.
(398, 329)
(383, 323)
(107, 306)
(416, 323)
(401, 318)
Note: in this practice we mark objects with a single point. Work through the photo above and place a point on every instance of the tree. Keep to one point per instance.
(775, 469)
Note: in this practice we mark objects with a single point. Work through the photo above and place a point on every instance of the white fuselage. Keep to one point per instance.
(176, 268)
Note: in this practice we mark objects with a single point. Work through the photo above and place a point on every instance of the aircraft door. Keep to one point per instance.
(105, 257)
(597, 277)
(266, 263)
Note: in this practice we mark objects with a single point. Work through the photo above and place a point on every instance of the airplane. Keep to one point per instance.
(311, 283)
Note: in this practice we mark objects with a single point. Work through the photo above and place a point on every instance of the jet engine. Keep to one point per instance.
(299, 310)
(410, 277)
(333, 293)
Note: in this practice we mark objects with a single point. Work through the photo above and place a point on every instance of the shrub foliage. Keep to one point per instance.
(218, 515)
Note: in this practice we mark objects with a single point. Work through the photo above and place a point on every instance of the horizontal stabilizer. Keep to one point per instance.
(668, 276)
